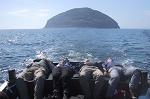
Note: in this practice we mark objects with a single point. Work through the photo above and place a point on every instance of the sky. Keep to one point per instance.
(33, 14)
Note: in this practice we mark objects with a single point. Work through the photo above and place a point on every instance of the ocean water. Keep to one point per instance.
(18, 47)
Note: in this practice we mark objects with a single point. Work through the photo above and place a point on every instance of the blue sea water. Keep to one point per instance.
(18, 47)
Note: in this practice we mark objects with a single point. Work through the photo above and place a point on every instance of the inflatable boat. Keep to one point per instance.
(122, 92)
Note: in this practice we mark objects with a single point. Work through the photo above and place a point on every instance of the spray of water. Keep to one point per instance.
(41, 55)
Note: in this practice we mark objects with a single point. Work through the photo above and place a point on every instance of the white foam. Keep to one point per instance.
(41, 55)
(12, 40)
(74, 55)
(127, 62)
(89, 55)
(121, 50)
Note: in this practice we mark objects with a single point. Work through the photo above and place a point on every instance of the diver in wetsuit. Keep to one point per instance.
(62, 74)
(118, 72)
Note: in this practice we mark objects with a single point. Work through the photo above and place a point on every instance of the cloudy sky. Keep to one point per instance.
(33, 14)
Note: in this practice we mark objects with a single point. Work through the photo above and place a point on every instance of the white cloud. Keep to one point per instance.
(30, 13)
(43, 12)
(20, 13)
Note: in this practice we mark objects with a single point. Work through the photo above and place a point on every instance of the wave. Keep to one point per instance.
(79, 56)
(127, 62)
(127, 47)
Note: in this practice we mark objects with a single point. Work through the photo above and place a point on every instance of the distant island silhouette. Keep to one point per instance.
(81, 17)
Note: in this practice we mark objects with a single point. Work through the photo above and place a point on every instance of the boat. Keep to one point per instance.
(122, 91)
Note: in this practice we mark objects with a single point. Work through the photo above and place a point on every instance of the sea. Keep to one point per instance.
(128, 47)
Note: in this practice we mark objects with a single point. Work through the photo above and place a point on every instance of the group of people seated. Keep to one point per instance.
(38, 71)
(98, 72)
(62, 73)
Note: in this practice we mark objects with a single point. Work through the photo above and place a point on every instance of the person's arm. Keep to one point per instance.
(104, 66)
(99, 65)
(37, 60)
(49, 63)
(29, 65)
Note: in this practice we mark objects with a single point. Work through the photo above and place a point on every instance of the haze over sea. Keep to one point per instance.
(18, 47)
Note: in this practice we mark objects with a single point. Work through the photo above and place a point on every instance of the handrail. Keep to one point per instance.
(3, 86)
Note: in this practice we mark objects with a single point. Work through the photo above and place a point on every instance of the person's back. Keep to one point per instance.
(62, 74)
(117, 72)
(88, 74)
(37, 71)
(44, 65)
(114, 73)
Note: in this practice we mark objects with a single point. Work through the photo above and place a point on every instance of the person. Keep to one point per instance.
(62, 74)
(91, 80)
(37, 71)
(3, 96)
(116, 72)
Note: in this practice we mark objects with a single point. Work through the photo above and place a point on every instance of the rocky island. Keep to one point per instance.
(82, 17)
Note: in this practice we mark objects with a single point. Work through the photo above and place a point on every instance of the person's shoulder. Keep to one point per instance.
(119, 65)
(99, 63)
(37, 60)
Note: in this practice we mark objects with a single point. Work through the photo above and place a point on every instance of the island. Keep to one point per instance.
(82, 17)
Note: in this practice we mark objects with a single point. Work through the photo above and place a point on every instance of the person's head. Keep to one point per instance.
(3, 95)
(109, 60)
(61, 62)
(87, 62)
